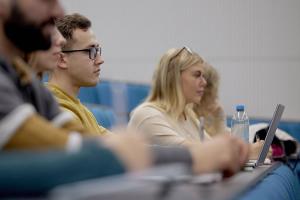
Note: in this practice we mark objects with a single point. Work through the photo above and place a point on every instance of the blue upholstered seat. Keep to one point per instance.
(136, 94)
(105, 116)
(89, 95)
(104, 93)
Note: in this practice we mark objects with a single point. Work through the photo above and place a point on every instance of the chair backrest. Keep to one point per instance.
(136, 94)
(89, 95)
(121, 97)
(105, 116)
(104, 93)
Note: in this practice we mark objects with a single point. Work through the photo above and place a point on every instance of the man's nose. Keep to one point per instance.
(99, 60)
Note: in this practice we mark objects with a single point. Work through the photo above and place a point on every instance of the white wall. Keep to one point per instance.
(254, 44)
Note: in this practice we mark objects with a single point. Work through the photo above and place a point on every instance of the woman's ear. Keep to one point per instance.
(62, 61)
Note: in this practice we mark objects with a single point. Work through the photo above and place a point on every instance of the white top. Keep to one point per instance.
(161, 129)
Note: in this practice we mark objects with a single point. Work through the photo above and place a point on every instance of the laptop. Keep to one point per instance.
(268, 140)
(251, 164)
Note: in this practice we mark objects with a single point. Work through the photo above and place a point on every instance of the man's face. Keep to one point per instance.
(31, 22)
(82, 70)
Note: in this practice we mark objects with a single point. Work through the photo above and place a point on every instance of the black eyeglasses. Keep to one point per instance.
(93, 51)
(181, 50)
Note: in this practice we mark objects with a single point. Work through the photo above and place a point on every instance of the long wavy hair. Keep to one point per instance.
(209, 106)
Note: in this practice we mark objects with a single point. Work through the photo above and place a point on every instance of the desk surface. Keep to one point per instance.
(240, 186)
(231, 188)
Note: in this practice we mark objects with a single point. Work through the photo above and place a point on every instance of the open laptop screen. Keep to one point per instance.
(270, 135)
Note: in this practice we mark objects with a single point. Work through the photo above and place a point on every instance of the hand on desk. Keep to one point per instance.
(255, 149)
(223, 153)
(131, 150)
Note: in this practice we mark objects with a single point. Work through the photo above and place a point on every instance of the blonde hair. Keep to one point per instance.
(212, 78)
(166, 92)
(209, 106)
(68, 24)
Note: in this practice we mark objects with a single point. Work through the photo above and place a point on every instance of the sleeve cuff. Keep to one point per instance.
(165, 155)
(74, 143)
(62, 118)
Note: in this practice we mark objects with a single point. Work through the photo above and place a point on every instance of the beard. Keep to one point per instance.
(25, 35)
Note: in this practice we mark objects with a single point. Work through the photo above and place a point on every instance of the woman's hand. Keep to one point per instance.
(255, 149)
(223, 153)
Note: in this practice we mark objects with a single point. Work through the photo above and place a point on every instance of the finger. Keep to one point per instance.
(257, 138)
(243, 150)
(270, 152)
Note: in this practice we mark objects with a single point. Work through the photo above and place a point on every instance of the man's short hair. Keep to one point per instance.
(69, 23)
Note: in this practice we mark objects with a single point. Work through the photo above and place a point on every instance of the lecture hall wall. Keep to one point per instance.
(254, 44)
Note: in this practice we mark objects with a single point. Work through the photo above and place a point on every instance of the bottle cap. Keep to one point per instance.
(240, 107)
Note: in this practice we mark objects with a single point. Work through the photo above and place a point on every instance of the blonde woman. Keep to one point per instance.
(167, 116)
(171, 113)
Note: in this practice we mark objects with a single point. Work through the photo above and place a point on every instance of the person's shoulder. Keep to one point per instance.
(10, 94)
(6, 83)
(6, 78)
(147, 109)
(41, 87)
(10, 88)
(143, 113)
(61, 97)
(56, 91)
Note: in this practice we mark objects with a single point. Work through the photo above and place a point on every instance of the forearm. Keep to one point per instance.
(165, 155)
(37, 133)
(35, 173)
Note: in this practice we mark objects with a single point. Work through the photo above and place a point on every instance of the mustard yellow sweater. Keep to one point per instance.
(81, 113)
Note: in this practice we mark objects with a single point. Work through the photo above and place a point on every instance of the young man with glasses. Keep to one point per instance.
(78, 66)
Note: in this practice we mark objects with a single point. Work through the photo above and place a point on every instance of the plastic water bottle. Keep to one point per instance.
(240, 123)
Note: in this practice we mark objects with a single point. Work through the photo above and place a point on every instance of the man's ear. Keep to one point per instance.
(62, 61)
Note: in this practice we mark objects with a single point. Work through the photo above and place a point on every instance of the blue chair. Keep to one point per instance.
(136, 94)
(89, 95)
(291, 127)
(104, 93)
(100, 94)
(111, 94)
